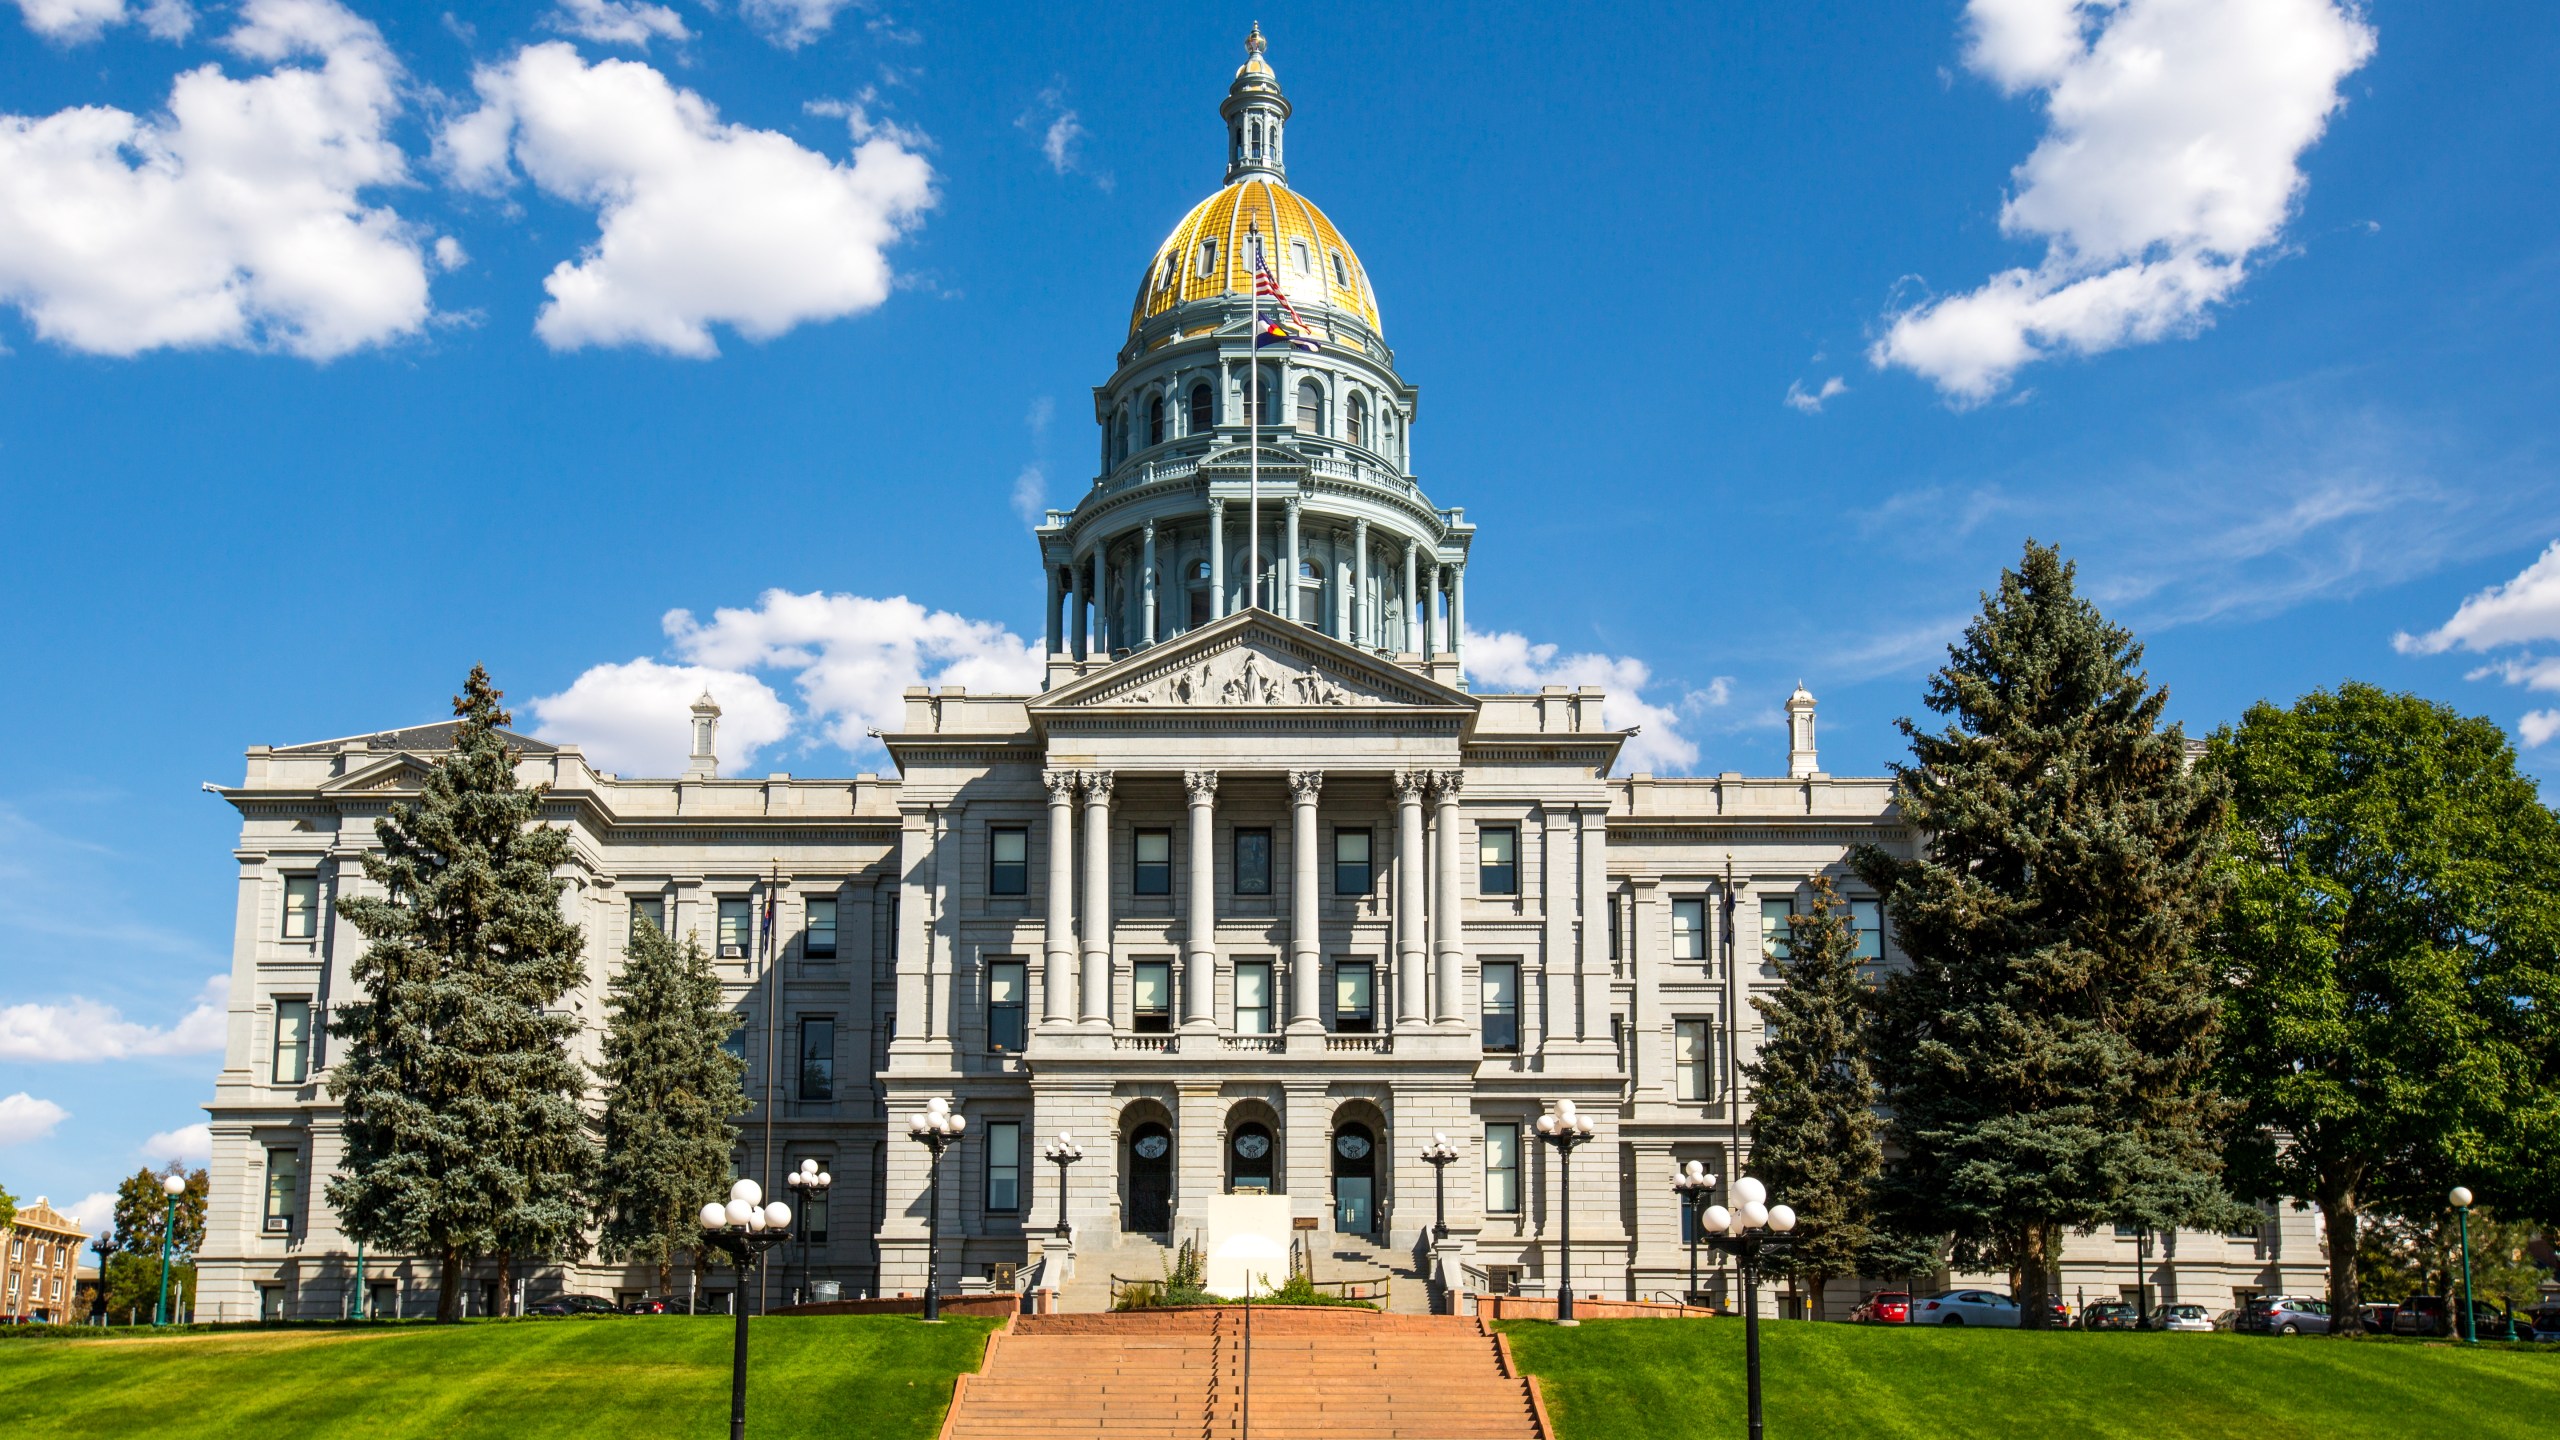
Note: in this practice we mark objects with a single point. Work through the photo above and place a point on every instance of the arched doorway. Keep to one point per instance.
(1355, 1180)
(1150, 1179)
(1249, 1155)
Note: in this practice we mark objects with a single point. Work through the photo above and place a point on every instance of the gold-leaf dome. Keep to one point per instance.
(1204, 258)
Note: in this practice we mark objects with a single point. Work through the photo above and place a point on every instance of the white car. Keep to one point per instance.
(2182, 1317)
(1967, 1307)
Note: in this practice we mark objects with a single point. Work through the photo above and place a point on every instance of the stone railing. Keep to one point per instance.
(1145, 1044)
(1358, 1044)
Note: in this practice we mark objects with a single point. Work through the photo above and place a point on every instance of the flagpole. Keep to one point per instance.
(772, 1020)
(1253, 442)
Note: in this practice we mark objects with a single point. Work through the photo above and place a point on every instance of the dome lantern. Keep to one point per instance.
(1256, 113)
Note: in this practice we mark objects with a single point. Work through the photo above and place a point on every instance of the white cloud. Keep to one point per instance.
(701, 223)
(1502, 660)
(2170, 160)
(94, 1213)
(1717, 695)
(80, 1029)
(23, 1117)
(1031, 494)
(449, 253)
(792, 23)
(74, 22)
(1061, 132)
(1810, 401)
(2537, 727)
(232, 219)
(637, 718)
(187, 1143)
(2520, 612)
(619, 22)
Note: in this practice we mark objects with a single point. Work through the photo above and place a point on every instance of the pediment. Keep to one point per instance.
(394, 772)
(1253, 660)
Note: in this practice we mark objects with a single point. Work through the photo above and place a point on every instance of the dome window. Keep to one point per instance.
(1172, 265)
(1201, 419)
(1341, 272)
(1155, 421)
(1306, 260)
(1208, 258)
(1310, 408)
(1359, 414)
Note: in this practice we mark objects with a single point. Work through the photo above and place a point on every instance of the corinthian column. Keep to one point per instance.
(1448, 961)
(1058, 979)
(1200, 907)
(1097, 900)
(1409, 884)
(1305, 953)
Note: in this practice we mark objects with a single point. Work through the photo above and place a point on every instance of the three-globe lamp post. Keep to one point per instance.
(1438, 1155)
(1754, 1231)
(935, 1127)
(1566, 1129)
(1063, 1152)
(744, 1228)
(811, 1184)
(174, 1185)
(1693, 1185)
(2461, 1198)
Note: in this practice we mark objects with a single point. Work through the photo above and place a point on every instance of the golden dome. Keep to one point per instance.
(1204, 258)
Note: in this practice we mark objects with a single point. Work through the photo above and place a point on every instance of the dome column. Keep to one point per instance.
(1288, 586)
(1147, 626)
(1075, 610)
(1057, 599)
(1458, 617)
(1358, 631)
(1411, 602)
(1429, 596)
(1101, 609)
(1217, 559)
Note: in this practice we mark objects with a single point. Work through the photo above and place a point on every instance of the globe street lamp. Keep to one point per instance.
(743, 1229)
(1564, 1128)
(1693, 1185)
(1754, 1231)
(811, 1184)
(1063, 1152)
(1437, 1155)
(934, 1127)
(176, 1185)
(2461, 1198)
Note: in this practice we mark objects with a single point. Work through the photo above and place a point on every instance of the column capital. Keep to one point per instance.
(1445, 784)
(1217, 506)
(1201, 785)
(1062, 784)
(1410, 785)
(1097, 786)
(1303, 785)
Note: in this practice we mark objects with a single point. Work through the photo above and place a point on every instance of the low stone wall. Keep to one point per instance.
(996, 1305)
(1543, 1307)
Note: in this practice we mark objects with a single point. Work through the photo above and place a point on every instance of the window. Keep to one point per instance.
(1777, 937)
(1310, 408)
(1502, 1167)
(1253, 862)
(1306, 260)
(1867, 917)
(1153, 872)
(818, 942)
(1689, 930)
(1501, 981)
(1498, 860)
(1007, 984)
(1155, 421)
(284, 1185)
(735, 927)
(1008, 860)
(1341, 273)
(1208, 263)
(1171, 267)
(649, 908)
(1253, 997)
(818, 1057)
(1151, 997)
(1004, 1167)
(1689, 1059)
(1351, 862)
(1354, 1007)
(1201, 416)
(293, 1042)
(301, 907)
(1359, 412)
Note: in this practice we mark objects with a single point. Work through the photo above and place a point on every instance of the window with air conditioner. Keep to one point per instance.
(737, 927)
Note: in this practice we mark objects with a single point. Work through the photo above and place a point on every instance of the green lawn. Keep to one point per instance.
(1621, 1379)
(640, 1376)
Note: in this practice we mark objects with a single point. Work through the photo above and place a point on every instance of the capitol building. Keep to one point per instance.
(1254, 896)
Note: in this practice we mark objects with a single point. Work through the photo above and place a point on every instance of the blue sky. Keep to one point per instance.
(2250, 306)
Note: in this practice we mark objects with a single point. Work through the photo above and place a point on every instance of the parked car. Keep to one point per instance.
(2376, 1317)
(2545, 1320)
(2181, 1317)
(1967, 1307)
(2061, 1311)
(1884, 1307)
(572, 1305)
(2434, 1315)
(657, 1305)
(2107, 1315)
(2282, 1315)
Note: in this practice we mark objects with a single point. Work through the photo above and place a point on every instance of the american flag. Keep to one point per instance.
(1269, 289)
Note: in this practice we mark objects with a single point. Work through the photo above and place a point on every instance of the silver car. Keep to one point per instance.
(1967, 1307)
(2182, 1317)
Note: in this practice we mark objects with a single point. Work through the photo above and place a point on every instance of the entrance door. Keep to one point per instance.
(1355, 1181)
(1150, 1179)
(1249, 1163)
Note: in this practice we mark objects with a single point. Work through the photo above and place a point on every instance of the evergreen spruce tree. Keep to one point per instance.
(1814, 1130)
(464, 1132)
(2050, 1048)
(671, 1096)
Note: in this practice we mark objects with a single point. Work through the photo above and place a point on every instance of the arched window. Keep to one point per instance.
(1208, 258)
(1263, 407)
(1310, 408)
(1199, 572)
(1155, 421)
(1255, 131)
(1201, 418)
(1358, 410)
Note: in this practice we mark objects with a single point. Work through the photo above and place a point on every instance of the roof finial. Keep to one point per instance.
(1254, 43)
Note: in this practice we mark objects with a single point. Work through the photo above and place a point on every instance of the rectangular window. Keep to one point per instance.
(1502, 1167)
(1253, 862)
(284, 1187)
(1498, 860)
(301, 907)
(293, 1042)
(1868, 918)
(1151, 997)
(1008, 982)
(818, 936)
(818, 1057)
(1501, 1005)
(1008, 860)
(1354, 1009)
(651, 909)
(1689, 930)
(1253, 997)
(1152, 874)
(812, 1205)
(737, 927)
(1004, 1168)
(1351, 862)
(1777, 937)
(1689, 1059)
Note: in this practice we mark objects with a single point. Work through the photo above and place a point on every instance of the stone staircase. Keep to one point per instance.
(1315, 1374)
(1131, 1256)
(1355, 1259)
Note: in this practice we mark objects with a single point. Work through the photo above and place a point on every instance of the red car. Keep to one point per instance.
(1885, 1307)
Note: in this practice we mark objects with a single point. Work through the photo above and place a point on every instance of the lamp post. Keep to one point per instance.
(2461, 1198)
(1063, 1152)
(1754, 1231)
(810, 1183)
(174, 1185)
(1564, 1128)
(744, 1229)
(1693, 1185)
(2142, 1276)
(934, 1127)
(1437, 1155)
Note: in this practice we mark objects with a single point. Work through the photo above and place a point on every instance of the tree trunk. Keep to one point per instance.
(449, 1287)
(2035, 1275)
(506, 1284)
(1813, 1292)
(666, 1273)
(2338, 1213)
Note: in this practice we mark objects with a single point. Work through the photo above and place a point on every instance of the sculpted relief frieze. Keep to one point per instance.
(1243, 676)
